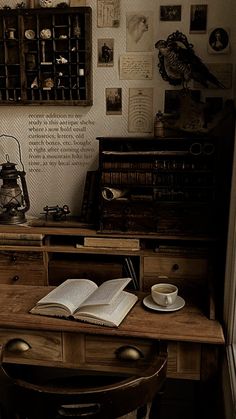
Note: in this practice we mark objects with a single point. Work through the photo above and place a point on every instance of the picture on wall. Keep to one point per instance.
(172, 102)
(114, 101)
(198, 18)
(170, 13)
(139, 31)
(140, 110)
(214, 105)
(136, 66)
(108, 13)
(218, 42)
(106, 52)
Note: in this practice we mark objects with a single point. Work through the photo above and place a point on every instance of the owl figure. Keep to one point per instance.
(178, 63)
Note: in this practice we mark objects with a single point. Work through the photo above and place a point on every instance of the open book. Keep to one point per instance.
(82, 299)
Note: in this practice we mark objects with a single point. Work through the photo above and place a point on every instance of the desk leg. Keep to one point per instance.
(210, 397)
(155, 410)
(5, 412)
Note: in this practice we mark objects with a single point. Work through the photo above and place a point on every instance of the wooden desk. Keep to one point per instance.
(192, 339)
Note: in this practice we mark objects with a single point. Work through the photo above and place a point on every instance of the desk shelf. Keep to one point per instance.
(186, 263)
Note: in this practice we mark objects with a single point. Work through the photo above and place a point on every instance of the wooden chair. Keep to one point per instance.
(49, 393)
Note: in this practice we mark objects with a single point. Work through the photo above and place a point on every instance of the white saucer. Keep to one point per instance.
(178, 304)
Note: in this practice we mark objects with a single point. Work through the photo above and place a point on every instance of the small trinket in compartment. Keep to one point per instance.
(11, 33)
(45, 3)
(48, 83)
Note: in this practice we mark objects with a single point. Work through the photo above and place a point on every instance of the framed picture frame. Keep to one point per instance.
(219, 41)
(198, 18)
(172, 100)
(139, 31)
(105, 52)
(170, 13)
(113, 100)
(214, 104)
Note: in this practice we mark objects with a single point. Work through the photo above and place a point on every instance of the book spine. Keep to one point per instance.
(10, 242)
(21, 236)
(106, 242)
(131, 272)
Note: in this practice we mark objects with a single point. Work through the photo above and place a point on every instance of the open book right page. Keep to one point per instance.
(110, 314)
(106, 293)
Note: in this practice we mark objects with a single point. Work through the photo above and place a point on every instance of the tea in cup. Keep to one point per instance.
(164, 294)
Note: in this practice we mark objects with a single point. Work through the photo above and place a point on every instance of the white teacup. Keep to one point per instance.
(164, 294)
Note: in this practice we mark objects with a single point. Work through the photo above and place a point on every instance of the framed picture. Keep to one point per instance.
(170, 13)
(214, 105)
(218, 42)
(198, 18)
(106, 52)
(173, 100)
(139, 31)
(114, 101)
(108, 13)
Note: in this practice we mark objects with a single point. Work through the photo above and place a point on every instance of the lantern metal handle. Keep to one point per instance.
(19, 149)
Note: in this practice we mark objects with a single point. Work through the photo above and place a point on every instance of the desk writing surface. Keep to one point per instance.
(188, 324)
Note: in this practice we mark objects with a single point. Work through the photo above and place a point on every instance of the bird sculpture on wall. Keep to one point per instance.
(179, 65)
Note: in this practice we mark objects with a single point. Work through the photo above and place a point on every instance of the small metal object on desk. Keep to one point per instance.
(58, 213)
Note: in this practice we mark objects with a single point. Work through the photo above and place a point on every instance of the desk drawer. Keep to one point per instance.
(184, 360)
(174, 268)
(45, 346)
(110, 353)
(9, 258)
(22, 276)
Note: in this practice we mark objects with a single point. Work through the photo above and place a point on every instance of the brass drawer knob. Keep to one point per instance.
(17, 346)
(129, 353)
(14, 258)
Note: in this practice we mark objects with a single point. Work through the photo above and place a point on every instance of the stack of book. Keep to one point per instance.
(116, 243)
(21, 239)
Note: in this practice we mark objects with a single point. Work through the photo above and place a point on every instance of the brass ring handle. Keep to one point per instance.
(17, 346)
(129, 353)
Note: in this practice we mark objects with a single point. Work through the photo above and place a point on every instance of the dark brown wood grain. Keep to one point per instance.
(188, 324)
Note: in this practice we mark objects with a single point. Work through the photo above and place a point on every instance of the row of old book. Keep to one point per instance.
(150, 178)
(160, 164)
(21, 239)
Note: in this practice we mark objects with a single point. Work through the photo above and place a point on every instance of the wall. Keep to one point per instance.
(61, 181)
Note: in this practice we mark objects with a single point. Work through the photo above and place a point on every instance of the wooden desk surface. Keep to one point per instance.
(188, 324)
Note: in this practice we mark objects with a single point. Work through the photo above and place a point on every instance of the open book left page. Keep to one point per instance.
(74, 293)
(65, 298)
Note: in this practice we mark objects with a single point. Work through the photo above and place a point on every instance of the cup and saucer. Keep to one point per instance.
(164, 297)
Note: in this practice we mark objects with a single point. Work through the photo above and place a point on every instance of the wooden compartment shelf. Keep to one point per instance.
(45, 56)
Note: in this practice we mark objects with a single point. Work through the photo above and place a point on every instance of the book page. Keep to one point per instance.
(71, 293)
(107, 292)
(110, 315)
